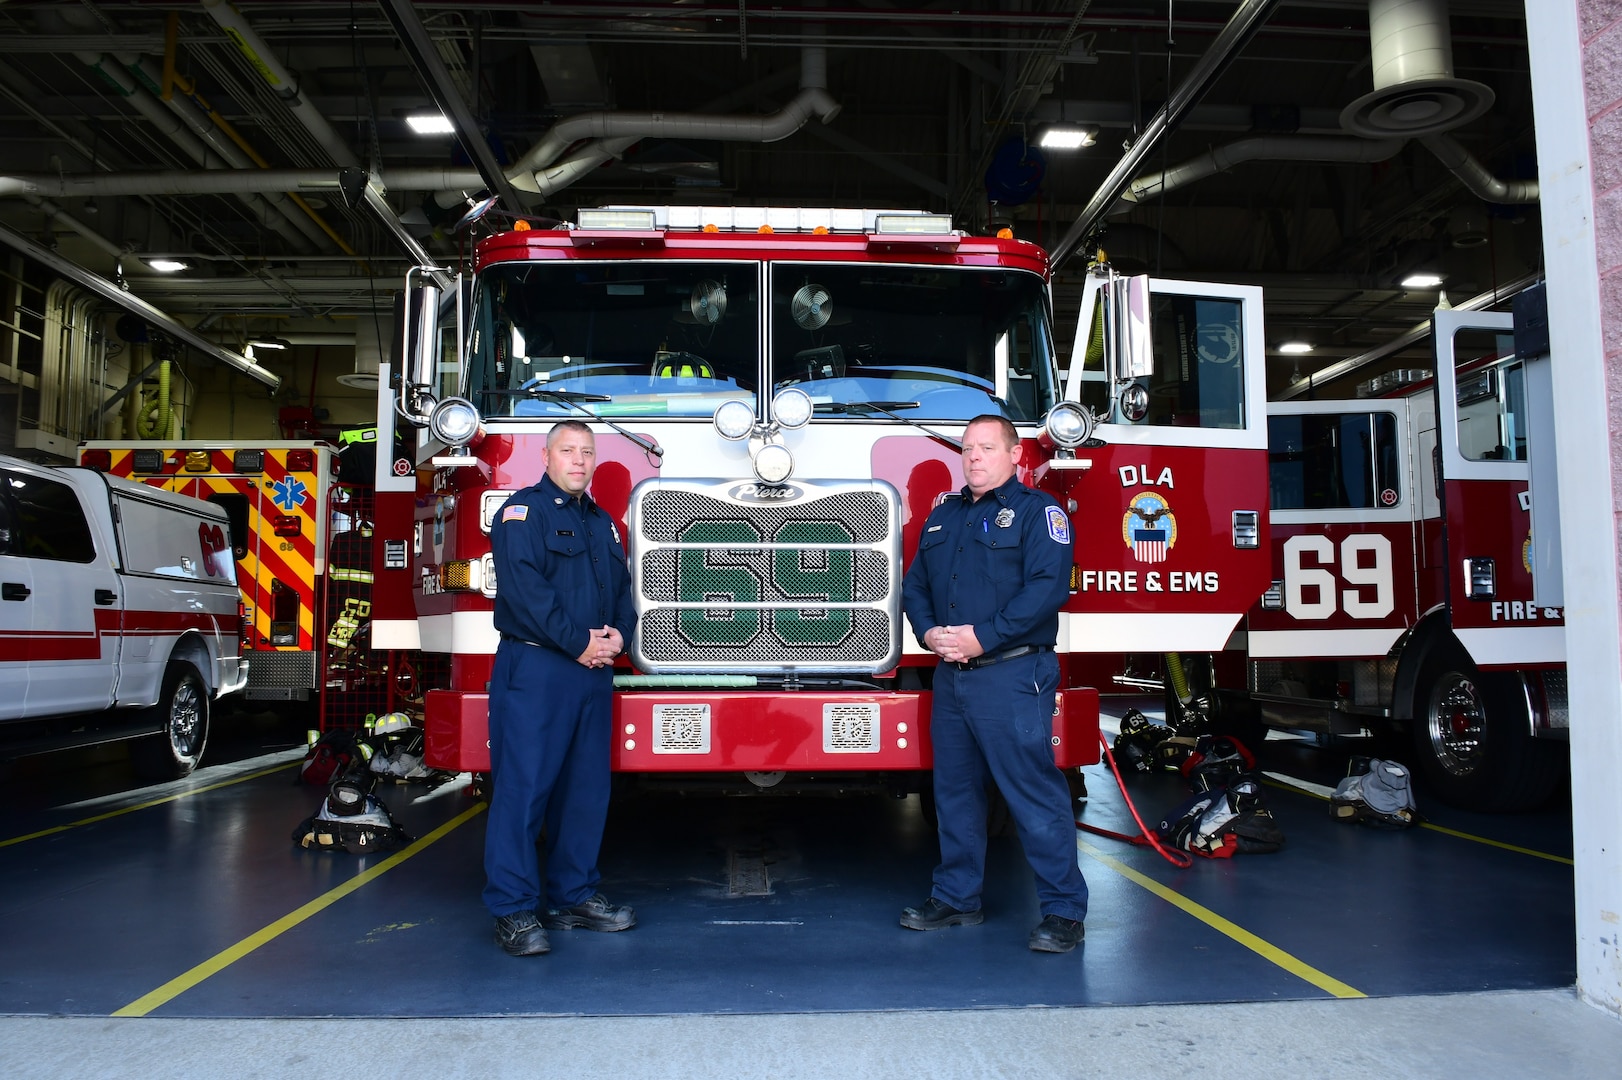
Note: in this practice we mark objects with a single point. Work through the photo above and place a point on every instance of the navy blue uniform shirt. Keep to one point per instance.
(560, 570)
(1000, 564)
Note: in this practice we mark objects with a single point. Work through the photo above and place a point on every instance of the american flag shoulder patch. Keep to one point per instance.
(515, 513)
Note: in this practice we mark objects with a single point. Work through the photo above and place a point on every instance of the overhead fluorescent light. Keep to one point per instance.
(165, 266)
(1067, 136)
(269, 343)
(1422, 280)
(1295, 348)
(430, 124)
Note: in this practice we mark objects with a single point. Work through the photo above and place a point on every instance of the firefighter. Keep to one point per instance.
(983, 594)
(564, 612)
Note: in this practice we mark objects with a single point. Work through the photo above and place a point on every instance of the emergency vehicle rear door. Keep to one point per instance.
(16, 610)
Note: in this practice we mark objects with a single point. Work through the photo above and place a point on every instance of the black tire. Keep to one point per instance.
(181, 717)
(1472, 739)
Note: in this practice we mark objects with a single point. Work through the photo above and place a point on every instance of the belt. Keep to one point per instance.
(987, 661)
(525, 641)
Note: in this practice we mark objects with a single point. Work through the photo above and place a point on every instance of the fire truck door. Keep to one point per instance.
(1484, 429)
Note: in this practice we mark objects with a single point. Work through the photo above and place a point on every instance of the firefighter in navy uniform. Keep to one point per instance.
(564, 611)
(983, 593)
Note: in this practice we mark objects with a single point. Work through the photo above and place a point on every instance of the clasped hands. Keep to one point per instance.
(606, 643)
(954, 644)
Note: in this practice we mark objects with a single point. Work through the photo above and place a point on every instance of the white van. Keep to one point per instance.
(119, 616)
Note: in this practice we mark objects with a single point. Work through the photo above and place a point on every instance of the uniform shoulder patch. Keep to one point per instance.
(1058, 525)
(515, 513)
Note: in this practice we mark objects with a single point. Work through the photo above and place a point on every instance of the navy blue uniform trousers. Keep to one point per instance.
(546, 708)
(998, 721)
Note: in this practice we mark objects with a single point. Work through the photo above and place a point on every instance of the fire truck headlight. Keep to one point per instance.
(1134, 402)
(773, 463)
(1067, 426)
(792, 408)
(454, 422)
(735, 420)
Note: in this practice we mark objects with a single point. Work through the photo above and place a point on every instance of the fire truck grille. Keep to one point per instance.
(737, 577)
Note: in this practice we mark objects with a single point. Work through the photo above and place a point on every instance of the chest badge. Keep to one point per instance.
(1005, 517)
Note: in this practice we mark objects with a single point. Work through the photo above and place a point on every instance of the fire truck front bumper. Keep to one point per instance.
(802, 731)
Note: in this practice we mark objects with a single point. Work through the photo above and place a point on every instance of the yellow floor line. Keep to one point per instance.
(1266, 950)
(226, 957)
(146, 805)
(1279, 780)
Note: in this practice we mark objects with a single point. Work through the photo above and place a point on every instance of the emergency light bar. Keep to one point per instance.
(798, 219)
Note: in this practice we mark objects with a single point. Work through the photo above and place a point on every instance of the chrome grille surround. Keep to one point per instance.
(818, 563)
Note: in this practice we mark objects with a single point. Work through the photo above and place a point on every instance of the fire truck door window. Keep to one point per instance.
(930, 343)
(51, 522)
(1199, 376)
(654, 338)
(1491, 398)
(1333, 461)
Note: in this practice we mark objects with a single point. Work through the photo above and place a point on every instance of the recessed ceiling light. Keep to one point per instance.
(430, 124)
(1295, 347)
(1422, 280)
(166, 266)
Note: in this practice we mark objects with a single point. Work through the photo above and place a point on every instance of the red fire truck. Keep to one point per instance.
(302, 543)
(778, 397)
(1416, 577)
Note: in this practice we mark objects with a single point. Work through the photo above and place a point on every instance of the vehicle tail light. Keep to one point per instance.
(288, 525)
(198, 461)
(147, 461)
(248, 461)
(100, 460)
(460, 575)
(301, 461)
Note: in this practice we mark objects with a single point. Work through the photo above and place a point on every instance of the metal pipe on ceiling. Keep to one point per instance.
(1241, 27)
(1475, 176)
(1263, 148)
(218, 182)
(130, 302)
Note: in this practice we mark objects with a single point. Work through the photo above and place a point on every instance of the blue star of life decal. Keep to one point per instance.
(289, 493)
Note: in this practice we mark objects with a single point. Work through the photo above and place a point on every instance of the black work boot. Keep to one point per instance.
(1055, 933)
(595, 913)
(521, 934)
(934, 915)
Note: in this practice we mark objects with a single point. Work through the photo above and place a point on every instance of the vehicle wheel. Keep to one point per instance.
(181, 716)
(1472, 740)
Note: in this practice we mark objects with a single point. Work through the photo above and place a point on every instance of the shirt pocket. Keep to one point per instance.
(565, 546)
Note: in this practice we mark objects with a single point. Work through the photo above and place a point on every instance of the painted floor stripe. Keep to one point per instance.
(1318, 791)
(188, 793)
(1266, 950)
(226, 957)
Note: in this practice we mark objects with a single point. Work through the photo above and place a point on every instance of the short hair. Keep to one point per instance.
(568, 425)
(1009, 434)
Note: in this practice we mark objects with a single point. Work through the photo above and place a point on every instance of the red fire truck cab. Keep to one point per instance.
(1416, 577)
(777, 397)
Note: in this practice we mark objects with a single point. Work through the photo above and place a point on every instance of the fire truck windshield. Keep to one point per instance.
(633, 338)
(676, 339)
(932, 343)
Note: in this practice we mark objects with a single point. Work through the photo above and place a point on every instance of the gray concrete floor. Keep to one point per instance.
(1542, 1034)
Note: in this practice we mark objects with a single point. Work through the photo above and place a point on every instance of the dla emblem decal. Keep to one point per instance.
(1005, 517)
(289, 493)
(1149, 528)
(1058, 525)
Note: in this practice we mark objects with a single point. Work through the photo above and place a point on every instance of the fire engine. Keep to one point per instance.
(1416, 577)
(778, 396)
(302, 543)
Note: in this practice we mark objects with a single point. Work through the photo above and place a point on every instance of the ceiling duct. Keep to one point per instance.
(368, 350)
(1415, 92)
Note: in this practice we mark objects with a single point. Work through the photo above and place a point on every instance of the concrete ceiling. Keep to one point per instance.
(236, 173)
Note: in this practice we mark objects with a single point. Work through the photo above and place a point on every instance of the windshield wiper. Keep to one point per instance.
(573, 399)
(887, 407)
